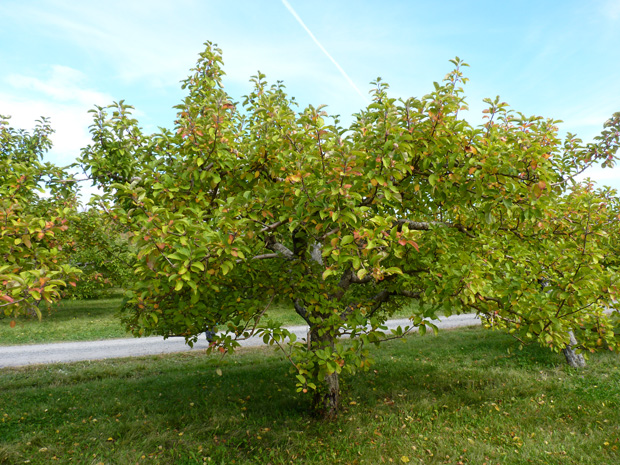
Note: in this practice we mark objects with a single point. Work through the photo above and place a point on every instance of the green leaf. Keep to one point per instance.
(35, 294)
(198, 265)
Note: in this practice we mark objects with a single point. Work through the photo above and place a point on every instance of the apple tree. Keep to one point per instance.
(33, 266)
(100, 249)
(241, 203)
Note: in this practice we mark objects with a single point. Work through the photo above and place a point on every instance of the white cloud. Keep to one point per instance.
(64, 98)
(70, 122)
(132, 36)
(603, 176)
(156, 43)
(65, 84)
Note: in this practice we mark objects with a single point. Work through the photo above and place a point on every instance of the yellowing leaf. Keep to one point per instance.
(26, 241)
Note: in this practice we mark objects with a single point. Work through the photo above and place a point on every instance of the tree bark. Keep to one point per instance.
(326, 400)
(573, 359)
(327, 397)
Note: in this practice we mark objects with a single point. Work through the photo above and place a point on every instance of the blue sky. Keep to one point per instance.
(557, 59)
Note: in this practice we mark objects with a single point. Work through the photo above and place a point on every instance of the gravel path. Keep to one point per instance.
(14, 356)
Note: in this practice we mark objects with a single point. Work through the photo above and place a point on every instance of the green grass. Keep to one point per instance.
(70, 320)
(466, 396)
(86, 320)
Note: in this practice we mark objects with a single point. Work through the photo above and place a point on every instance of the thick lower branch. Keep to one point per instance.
(301, 311)
(349, 277)
(264, 256)
(280, 248)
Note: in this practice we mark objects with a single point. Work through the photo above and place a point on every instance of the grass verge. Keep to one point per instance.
(69, 320)
(89, 320)
(466, 396)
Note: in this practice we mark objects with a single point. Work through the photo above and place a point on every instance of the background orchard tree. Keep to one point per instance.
(100, 249)
(243, 202)
(561, 276)
(33, 266)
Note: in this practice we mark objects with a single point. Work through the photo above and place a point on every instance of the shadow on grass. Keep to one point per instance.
(462, 365)
(176, 409)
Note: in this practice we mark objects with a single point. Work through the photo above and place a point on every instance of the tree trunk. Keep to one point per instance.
(326, 400)
(327, 397)
(573, 359)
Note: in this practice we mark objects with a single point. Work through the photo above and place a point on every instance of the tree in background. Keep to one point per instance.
(33, 263)
(243, 202)
(100, 249)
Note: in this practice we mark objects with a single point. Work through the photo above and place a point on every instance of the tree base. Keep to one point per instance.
(327, 398)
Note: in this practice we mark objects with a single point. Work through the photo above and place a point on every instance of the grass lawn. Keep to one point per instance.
(466, 396)
(70, 320)
(88, 320)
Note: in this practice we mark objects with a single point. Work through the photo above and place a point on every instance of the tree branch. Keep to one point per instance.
(281, 249)
(348, 278)
(379, 299)
(301, 311)
(427, 225)
(271, 227)
(329, 233)
(264, 256)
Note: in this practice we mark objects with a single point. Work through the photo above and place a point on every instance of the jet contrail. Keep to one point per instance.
(316, 41)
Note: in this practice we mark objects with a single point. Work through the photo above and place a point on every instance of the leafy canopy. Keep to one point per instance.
(245, 202)
(33, 266)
